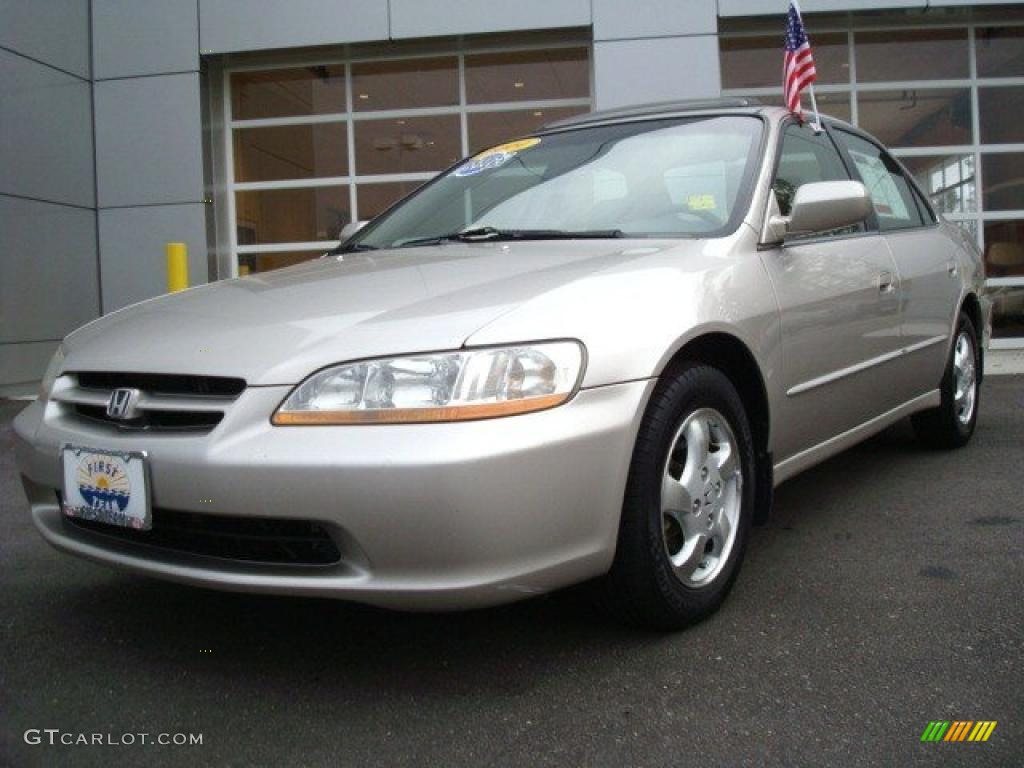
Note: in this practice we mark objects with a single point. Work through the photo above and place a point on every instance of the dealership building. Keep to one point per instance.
(254, 130)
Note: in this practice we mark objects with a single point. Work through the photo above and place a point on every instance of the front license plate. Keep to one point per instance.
(106, 486)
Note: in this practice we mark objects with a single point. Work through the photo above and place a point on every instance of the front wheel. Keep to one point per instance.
(689, 503)
(951, 424)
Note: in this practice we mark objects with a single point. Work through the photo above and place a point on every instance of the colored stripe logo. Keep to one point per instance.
(958, 730)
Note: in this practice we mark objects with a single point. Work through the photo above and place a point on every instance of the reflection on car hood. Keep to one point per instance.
(277, 327)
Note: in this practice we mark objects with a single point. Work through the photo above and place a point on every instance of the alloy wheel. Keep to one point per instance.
(964, 378)
(701, 495)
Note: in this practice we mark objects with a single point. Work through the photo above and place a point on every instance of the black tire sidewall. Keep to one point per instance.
(690, 388)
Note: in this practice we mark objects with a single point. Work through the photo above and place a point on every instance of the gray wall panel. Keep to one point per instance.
(255, 25)
(144, 37)
(779, 7)
(426, 18)
(24, 362)
(771, 7)
(617, 20)
(46, 146)
(617, 64)
(54, 31)
(48, 262)
(148, 140)
(132, 258)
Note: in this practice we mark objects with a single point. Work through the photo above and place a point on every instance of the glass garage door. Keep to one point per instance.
(945, 92)
(312, 147)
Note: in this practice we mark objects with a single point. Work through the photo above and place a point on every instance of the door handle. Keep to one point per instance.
(951, 268)
(885, 282)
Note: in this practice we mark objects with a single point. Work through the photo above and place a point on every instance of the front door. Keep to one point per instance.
(839, 302)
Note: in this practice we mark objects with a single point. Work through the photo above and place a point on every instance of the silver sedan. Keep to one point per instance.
(586, 355)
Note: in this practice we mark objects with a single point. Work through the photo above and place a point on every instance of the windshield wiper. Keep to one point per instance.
(492, 234)
(351, 248)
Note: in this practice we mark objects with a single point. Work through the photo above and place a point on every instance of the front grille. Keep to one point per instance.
(163, 402)
(256, 540)
(164, 383)
(162, 420)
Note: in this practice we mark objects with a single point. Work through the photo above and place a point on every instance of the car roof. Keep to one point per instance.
(730, 105)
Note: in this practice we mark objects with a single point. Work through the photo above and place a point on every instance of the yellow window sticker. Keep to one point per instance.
(495, 157)
(701, 203)
(512, 146)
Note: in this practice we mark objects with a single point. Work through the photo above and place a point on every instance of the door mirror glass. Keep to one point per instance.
(825, 206)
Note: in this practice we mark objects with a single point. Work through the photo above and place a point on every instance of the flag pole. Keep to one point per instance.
(816, 125)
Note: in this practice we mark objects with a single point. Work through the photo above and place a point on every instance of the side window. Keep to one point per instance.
(890, 192)
(805, 157)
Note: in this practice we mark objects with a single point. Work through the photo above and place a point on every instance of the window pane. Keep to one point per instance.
(1004, 181)
(1000, 110)
(890, 193)
(1007, 311)
(290, 152)
(288, 92)
(248, 263)
(561, 73)
(1004, 248)
(970, 226)
(949, 181)
(407, 145)
(291, 215)
(405, 84)
(374, 199)
(756, 62)
(806, 158)
(1000, 51)
(913, 54)
(916, 117)
(489, 128)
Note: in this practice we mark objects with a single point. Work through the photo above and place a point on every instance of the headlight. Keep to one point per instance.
(52, 372)
(444, 386)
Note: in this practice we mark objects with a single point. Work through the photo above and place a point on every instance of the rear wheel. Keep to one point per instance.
(951, 424)
(689, 503)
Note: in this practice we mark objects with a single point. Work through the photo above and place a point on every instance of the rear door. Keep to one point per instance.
(839, 309)
(925, 257)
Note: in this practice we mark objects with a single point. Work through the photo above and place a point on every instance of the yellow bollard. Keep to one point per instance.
(177, 267)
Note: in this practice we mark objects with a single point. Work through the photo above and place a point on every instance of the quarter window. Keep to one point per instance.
(889, 189)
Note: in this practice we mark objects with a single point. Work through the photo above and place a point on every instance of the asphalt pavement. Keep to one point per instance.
(886, 592)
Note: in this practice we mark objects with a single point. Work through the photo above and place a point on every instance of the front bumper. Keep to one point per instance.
(428, 516)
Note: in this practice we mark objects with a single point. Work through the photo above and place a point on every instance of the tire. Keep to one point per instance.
(951, 424)
(673, 566)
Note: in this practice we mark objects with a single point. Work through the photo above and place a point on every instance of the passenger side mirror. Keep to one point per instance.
(822, 206)
(350, 229)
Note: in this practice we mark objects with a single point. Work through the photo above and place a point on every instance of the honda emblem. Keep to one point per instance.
(121, 404)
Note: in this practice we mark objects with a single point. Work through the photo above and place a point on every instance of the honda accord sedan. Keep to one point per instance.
(587, 355)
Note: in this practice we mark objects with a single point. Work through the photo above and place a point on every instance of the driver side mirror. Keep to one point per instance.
(821, 206)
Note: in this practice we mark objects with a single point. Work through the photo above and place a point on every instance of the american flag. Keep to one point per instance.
(798, 65)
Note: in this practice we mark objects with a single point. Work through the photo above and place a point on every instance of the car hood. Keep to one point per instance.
(278, 327)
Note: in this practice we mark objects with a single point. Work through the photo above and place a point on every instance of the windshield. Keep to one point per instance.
(679, 177)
